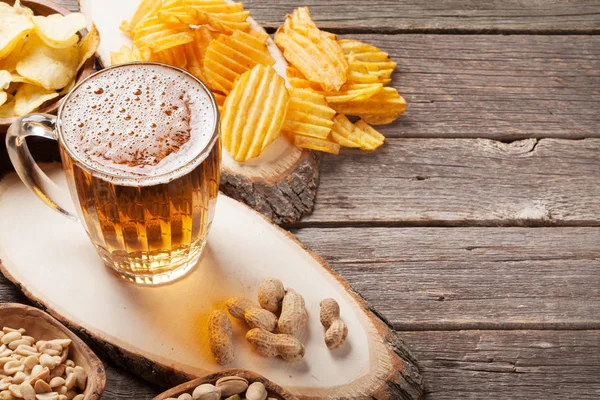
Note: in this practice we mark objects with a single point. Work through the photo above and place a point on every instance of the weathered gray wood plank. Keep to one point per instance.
(464, 278)
(401, 16)
(462, 182)
(519, 365)
(470, 278)
(497, 87)
(516, 365)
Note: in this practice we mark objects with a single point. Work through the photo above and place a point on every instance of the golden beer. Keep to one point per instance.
(142, 159)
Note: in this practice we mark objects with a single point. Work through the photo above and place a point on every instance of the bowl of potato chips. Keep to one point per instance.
(44, 51)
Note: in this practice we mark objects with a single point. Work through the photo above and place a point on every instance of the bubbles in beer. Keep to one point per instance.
(111, 129)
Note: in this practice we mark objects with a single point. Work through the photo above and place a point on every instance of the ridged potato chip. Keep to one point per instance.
(299, 81)
(174, 56)
(58, 30)
(301, 20)
(30, 97)
(365, 59)
(313, 52)
(382, 108)
(359, 136)
(308, 114)
(220, 98)
(220, 15)
(347, 93)
(355, 92)
(124, 55)
(254, 112)
(145, 8)
(324, 145)
(49, 67)
(228, 57)
(217, 14)
(195, 51)
(176, 11)
(14, 26)
(358, 73)
(156, 35)
(369, 130)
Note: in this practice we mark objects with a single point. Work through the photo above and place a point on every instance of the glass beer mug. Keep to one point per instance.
(140, 149)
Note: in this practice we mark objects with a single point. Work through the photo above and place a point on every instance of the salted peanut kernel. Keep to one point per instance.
(42, 387)
(38, 373)
(52, 349)
(16, 343)
(56, 382)
(59, 371)
(47, 396)
(25, 350)
(27, 391)
(12, 367)
(7, 329)
(71, 380)
(81, 377)
(15, 390)
(64, 343)
(19, 377)
(47, 361)
(11, 337)
(5, 383)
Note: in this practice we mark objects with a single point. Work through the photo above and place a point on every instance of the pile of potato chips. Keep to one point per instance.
(329, 78)
(39, 57)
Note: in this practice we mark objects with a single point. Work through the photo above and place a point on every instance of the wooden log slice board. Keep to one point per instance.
(160, 332)
(281, 183)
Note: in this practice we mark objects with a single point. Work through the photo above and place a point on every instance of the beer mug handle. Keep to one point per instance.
(41, 125)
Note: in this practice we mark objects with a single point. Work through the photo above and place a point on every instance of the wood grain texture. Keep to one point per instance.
(470, 278)
(496, 87)
(517, 365)
(121, 384)
(462, 182)
(402, 16)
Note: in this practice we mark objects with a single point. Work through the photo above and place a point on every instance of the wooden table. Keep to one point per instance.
(475, 230)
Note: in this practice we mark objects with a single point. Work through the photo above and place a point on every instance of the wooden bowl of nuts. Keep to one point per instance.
(41, 359)
(231, 384)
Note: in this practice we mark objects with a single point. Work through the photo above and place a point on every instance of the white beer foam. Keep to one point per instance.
(139, 121)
